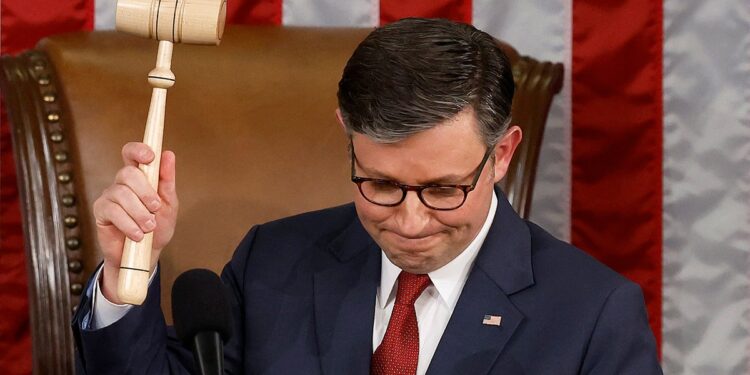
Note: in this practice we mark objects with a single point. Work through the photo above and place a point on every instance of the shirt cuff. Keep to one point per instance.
(105, 312)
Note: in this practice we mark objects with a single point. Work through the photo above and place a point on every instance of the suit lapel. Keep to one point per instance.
(467, 345)
(502, 268)
(345, 284)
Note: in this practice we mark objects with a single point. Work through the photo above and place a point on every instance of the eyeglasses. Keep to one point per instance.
(435, 196)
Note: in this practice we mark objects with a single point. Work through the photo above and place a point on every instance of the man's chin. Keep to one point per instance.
(414, 268)
(412, 261)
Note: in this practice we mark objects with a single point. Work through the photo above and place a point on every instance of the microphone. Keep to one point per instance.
(202, 318)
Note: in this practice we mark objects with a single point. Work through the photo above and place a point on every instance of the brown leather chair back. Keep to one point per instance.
(251, 121)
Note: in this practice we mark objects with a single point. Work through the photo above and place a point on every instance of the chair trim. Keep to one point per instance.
(535, 76)
(531, 77)
(51, 227)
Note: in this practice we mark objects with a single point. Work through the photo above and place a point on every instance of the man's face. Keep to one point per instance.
(416, 238)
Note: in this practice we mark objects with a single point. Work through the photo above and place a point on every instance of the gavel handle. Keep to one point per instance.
(135, 265)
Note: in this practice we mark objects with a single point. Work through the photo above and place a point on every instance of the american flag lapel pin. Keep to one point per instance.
(492, 320)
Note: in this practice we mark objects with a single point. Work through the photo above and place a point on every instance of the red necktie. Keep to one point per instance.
(399, 352)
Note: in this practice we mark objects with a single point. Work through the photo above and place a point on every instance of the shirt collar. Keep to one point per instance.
(449, 279)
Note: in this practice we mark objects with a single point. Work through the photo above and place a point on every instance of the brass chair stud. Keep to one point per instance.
(76, 289)
(75, 266)
(56, 137)
(68, 200)
(73, 243)
(61, 156)
(64, 177)
(70, 221)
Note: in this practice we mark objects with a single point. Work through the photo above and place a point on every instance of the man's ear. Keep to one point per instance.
(340, 118)
(505, 149)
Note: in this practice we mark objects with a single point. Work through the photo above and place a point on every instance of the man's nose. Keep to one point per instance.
(412, 216)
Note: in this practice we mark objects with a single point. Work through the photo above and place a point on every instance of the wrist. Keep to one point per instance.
(108, 283)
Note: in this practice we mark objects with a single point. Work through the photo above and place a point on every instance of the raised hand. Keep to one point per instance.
(130, 207)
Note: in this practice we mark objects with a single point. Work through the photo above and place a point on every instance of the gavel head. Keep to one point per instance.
(178, 21)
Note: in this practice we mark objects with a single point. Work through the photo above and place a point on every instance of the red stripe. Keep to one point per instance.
(616, 208)
(257, 12)
(457, 10)
(24, 22)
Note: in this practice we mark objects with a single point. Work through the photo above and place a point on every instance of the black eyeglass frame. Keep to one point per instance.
(419, 188)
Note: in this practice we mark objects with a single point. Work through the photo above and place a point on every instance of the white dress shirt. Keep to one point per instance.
(104, 311)
(435, 305)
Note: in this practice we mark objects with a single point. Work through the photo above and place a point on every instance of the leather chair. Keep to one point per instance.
(251, 121)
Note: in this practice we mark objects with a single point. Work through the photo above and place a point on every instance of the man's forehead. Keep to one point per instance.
(419, 160)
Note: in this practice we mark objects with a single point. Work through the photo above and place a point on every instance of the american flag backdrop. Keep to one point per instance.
(645, 162)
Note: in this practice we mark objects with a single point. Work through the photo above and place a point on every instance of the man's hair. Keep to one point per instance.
(413, 74)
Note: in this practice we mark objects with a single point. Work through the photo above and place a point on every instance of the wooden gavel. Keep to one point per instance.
(168, 21)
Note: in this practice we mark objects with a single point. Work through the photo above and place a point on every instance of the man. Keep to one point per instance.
(428, 271)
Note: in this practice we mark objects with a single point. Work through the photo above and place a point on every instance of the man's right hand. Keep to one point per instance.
(130, 207)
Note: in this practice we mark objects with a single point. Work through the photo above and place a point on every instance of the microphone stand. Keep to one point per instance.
(208, 350)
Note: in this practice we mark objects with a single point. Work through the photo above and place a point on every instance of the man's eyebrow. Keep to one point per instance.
(373, 173)
(448, 179)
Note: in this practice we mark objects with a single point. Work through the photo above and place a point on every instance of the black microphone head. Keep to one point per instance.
(199, 303)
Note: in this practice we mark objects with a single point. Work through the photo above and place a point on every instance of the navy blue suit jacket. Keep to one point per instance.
(304, 299)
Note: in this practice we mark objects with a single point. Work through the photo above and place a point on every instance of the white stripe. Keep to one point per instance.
(542, 29)
(104, 14)
(706, 187)
(356, 13)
